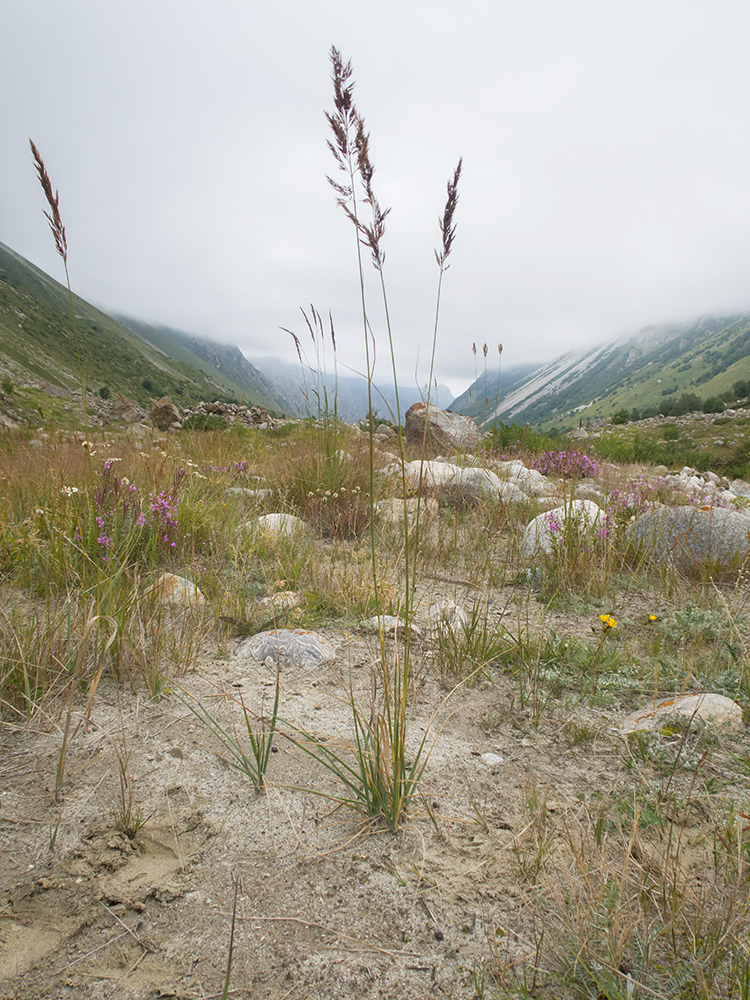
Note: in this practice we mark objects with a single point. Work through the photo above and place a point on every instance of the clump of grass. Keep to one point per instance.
(469, 647)
(622, 911)
(248, 752)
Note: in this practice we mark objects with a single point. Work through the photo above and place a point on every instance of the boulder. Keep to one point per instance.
(740, 488)
(278, 524)
(392, 511)
(446, 431)
(711, 708)
(172, 589)
(457, 483)
(165, 414)
(540, 534)
(694, 540)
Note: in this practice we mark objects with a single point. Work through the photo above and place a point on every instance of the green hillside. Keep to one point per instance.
(37, 342)
(223, 362)
(701, 360)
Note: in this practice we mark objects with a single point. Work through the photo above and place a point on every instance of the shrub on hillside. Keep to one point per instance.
(714, 404)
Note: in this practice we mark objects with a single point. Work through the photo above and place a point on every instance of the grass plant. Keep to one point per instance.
(61, 245)
(381, 780)
(248, 752)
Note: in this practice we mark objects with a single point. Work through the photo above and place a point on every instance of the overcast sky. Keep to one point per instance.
(606, 179)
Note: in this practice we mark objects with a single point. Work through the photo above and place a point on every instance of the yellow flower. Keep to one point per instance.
(652, 618)
(607, 621)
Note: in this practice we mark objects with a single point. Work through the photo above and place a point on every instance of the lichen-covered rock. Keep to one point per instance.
(284, 600)
(711, 708)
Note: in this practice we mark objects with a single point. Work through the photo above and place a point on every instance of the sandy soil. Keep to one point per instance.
(328, 905)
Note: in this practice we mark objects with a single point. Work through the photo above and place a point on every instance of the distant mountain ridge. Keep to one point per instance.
(306, 391)
(636, 371)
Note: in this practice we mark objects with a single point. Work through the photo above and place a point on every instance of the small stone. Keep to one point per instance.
(390, 623)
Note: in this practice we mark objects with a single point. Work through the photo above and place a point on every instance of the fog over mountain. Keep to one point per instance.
(604, 184)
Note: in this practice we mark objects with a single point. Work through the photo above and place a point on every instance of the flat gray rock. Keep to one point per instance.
(711, 708)
(288, 647)
(694, 540)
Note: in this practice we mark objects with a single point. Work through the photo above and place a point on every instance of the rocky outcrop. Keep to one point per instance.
(232, 413)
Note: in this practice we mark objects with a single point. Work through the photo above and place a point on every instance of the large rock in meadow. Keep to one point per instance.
(165, 414)
(541, 533)
(446, 431)
(455, 482)
(696, 540)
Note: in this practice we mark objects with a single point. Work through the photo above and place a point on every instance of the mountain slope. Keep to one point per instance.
(223, 362)
(37, 341)
(704, 359)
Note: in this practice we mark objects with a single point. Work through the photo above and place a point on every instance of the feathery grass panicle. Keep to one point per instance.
(53, 200)
(342, 121)
(351, 150)
(447, 225)
(61, 244)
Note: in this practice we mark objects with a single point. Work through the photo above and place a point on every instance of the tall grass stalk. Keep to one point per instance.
(61, 245)
(380, 741)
